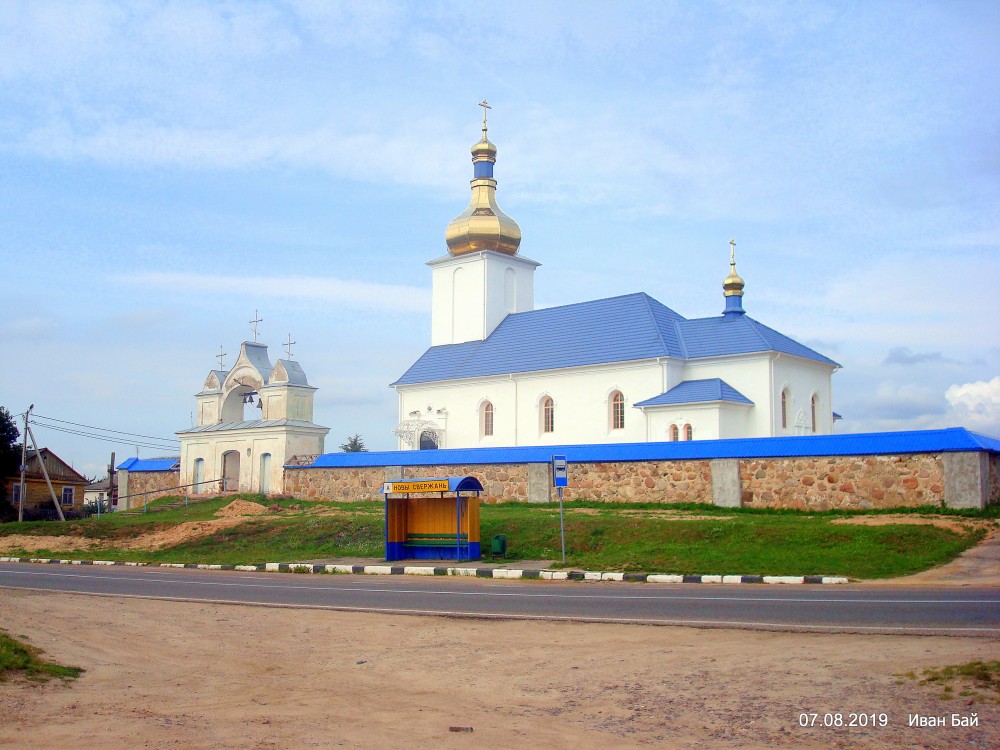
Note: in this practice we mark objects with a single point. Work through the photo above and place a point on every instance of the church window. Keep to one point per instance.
(617, 411)
(812, 409)
(674, 433)
(688, 432)
(487, 419)
(784, 408)
(548, 415)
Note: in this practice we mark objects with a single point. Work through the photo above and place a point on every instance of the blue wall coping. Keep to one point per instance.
(951, 440)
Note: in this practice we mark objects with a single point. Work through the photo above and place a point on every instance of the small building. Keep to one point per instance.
(99, 492)
(68, 484)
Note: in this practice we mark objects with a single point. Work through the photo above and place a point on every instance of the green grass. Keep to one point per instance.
(979, 680)
(20, 658)
(599, 536)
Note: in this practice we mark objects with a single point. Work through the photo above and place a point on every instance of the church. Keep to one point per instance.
(625, 369)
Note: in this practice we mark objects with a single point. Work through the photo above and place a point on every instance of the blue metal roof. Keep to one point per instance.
(872, 443)
(150, 464)
(713, 337)
(697, 392)
(617, 329)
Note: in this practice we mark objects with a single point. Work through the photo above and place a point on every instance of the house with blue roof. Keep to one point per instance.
(625, 369)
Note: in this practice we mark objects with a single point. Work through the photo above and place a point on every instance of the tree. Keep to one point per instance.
(354, 444)
(10, 459)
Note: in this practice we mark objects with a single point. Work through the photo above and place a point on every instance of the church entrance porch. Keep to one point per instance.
(231, 471)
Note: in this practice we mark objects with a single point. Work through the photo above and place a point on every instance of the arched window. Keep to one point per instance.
(487, 419)
(548, 415)
(812, 411)
(785, 398)
(688, 432)
(617, 411)
(429, 440)
(674, 433)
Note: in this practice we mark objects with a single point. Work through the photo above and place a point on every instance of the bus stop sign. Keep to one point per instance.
(560, 472)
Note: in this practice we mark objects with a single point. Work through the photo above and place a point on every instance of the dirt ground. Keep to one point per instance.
(191, 675)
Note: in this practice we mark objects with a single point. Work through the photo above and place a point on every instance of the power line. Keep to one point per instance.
(118, 441)
(103, 429)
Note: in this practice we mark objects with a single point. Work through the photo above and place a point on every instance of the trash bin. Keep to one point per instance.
(498, 546)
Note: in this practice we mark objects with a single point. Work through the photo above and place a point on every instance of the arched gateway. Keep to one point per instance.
(251, 420)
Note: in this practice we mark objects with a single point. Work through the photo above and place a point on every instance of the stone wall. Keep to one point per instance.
(347, 484)
(993, 487)
(158, 483)
(857, 482)
(641, 481)
(807, 483)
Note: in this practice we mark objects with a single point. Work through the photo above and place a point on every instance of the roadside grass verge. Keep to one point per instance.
(978, 680)
(17, 658)
(684, 538)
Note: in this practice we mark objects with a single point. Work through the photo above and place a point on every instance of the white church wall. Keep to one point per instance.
(803, 378)
(582, 406)
(509, 287)
(471, 294)
(748, 374)
(734, 419)
(704, 420)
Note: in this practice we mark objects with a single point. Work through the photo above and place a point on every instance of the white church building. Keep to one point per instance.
(251, 420)
(623, 369)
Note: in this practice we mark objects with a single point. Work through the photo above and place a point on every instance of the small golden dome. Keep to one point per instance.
(484, 148)
(483, 226)
(734, 284)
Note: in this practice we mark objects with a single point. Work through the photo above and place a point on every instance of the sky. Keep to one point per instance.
(169, 168)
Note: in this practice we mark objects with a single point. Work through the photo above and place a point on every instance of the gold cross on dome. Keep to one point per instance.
(288, 346)
(220, 356)
(732, 252)
(485, 105)
(253, 324)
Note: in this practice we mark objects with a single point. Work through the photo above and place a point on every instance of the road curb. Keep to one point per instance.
(424, 570)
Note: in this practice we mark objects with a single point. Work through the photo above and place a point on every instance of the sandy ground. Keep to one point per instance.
(191, 675)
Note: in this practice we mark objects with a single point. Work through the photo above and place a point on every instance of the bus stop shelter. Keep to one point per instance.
(432, 519)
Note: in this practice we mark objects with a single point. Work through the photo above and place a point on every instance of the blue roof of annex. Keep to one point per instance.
(616, 329)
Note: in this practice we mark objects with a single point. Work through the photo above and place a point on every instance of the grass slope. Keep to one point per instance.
(632, 537)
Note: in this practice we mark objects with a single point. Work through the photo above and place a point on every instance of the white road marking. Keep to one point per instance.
(583, 594)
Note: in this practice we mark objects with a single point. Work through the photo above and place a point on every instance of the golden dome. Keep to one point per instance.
(734, 284)
(483, 226)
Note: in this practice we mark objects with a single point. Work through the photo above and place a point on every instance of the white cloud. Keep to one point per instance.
(355, 294)
(977, 405)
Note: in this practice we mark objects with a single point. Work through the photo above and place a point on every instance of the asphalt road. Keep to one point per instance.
(841, 608)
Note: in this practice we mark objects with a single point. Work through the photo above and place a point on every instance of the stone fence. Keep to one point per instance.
(951, 468)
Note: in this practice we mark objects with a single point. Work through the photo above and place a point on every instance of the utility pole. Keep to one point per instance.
(111, 482)
(45, 472)
(24, 458)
